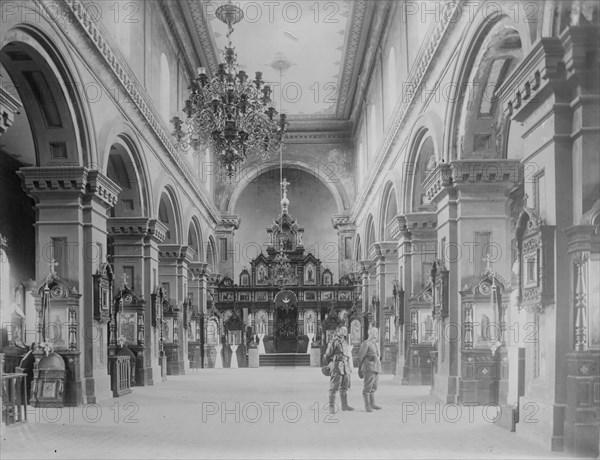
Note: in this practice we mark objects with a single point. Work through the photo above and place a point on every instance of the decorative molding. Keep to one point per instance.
(415, 80)
(348, 70)
(341, 221)
(541, 67)
(137, 227)
(122, 73)
(9, 107)
(68, 179)
(500, 174)
(229, 222)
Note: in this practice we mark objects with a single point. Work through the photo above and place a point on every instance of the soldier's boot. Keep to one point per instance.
(345, 406)
(373, 405)
(367, 402)
(332, 402)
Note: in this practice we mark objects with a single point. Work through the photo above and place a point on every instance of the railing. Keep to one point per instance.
(121, 376)
(14, 398)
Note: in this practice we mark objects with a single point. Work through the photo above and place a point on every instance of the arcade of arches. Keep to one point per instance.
(448, 193)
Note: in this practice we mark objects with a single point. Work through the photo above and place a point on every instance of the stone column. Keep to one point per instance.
(71, 207)
(346, 237)
(226, 252)
(476, 202)
(198, 285)
(417, 245)
(556, 82)
(173, 260)
(386, 271)
(135, 247)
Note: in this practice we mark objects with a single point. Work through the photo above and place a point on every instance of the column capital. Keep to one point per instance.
(228, 223)
(136, 227)
(343, 222)
(58, 180)
(477, 175)
(366, 267)
(9, 107)
(176, 252)
(200, 270)
(541, 70)
(422, 225)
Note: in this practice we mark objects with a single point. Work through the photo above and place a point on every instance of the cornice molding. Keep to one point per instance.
(183, 49)
(116, 66)
(9, 107)
(79, 180)
(195, 11)
(417, 76)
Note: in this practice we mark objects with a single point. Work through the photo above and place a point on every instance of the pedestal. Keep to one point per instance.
(234, 361)
(315, 356)
(219, 357)
(261, 344)
(253, 360)
(582, 433)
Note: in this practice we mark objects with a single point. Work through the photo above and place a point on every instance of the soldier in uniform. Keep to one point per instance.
(340, 373)
(370, 366)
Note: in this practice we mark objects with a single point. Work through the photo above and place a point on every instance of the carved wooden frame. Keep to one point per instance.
(534, 246)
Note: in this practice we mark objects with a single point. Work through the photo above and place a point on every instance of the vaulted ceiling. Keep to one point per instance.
(323, 43)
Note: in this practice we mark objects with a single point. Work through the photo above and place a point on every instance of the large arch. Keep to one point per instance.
(388, 210)
(358, 254)
(123, 167)
(477, 127)
(168, 213)
(194, 239)
(229, 200)
(211, 253)
(423, 153)
(41, 70)
(371, 236)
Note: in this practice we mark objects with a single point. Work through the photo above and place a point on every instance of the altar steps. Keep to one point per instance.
(284, 359)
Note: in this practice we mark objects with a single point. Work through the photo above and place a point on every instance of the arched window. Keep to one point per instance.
(165, 87)
(362, 167)
(391, 83)
(373, 135)
(4, 279)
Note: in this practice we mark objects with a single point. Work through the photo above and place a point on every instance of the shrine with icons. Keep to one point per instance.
(285, 297)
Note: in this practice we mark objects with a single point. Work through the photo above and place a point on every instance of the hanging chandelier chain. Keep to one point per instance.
(229, 112)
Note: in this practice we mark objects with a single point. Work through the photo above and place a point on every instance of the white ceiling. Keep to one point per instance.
(309, 35)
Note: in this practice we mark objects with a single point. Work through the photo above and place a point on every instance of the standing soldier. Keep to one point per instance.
(340, 371)
(370, 367)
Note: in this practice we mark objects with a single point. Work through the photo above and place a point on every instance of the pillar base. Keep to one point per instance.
(542, 423)
(508, 418)
(144, 377)
(582, 432)
(445, 388)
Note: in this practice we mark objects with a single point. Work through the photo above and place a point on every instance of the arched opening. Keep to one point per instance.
(311, 203)
(122, 170)
(389, 211)
(194, 240)
(358, 254)
(165, 88)
(482, 125)
(167, 215)
(426, 161)
(371, 237)
(41, 126)
(211, 257)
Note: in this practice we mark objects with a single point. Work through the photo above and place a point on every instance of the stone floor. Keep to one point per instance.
(263, 413)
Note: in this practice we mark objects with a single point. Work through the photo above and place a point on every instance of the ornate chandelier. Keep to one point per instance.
(230, 113)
